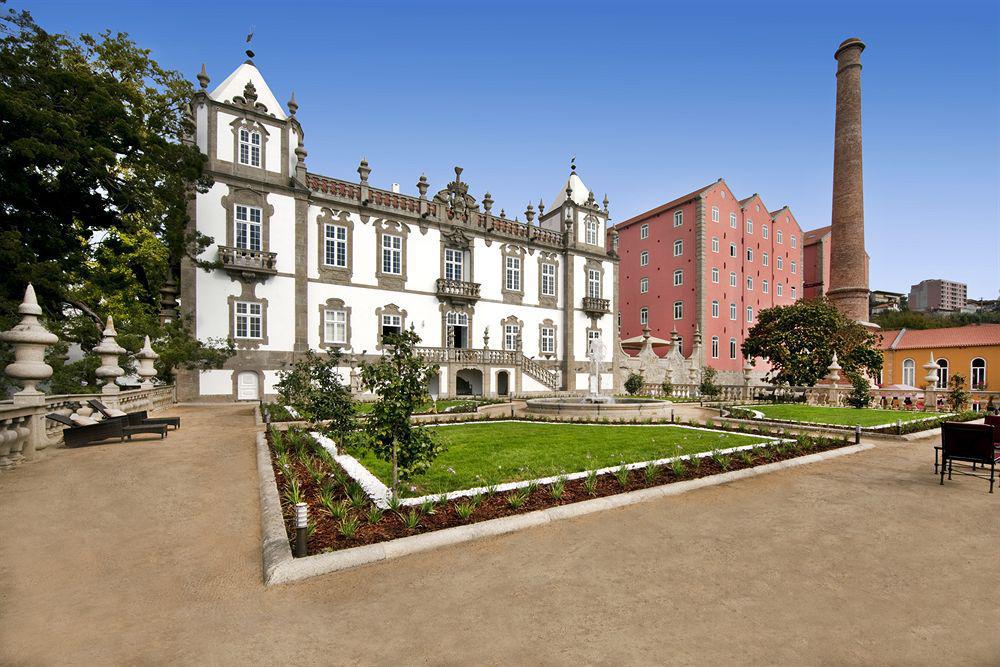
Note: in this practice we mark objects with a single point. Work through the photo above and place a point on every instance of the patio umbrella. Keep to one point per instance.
(636, 342)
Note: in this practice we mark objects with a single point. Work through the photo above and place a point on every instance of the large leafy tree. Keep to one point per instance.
(799, 342)
(95, 176)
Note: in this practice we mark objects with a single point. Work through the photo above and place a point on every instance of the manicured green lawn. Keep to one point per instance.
(818, 414)
(442, 405)
(492, 453)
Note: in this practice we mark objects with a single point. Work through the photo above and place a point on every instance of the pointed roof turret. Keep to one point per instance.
(248, 76)
(575, 189)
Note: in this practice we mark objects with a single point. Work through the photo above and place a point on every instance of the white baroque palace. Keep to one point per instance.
(308, 261)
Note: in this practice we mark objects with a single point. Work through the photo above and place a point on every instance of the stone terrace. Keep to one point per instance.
(150, 552)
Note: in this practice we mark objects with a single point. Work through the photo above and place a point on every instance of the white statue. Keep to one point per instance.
(595, 352)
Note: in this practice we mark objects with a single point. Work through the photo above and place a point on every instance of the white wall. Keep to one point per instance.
(216, 382)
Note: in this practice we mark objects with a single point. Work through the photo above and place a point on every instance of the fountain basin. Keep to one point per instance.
(598, 407)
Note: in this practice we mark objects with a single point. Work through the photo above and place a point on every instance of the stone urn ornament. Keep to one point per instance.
(109, 349)
(29, 340)
(146, 356)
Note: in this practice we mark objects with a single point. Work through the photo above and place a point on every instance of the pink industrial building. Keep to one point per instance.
(816, 246)
(707, 262)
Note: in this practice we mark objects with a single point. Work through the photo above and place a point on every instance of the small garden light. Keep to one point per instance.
(301, 529)
(857, 434)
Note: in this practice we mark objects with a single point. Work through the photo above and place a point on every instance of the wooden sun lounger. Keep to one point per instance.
(76, 435)
(137, 418)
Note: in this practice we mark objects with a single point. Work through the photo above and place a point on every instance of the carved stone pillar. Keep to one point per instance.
(931, 378)
(146, 371)
(109, 349)
(30, 340)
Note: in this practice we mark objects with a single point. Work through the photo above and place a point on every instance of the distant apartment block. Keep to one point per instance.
(937, 295)
(816, 262)
(880, 301)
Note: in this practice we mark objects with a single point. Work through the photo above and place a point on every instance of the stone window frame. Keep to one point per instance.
(593, 264)
(334, 274)
(547, 300)
(468, 309)
(387, 309)
(335, 304)
(514, 297)
(457, 240)
(247, 197)
(548, 324)
(247, 295)
(511, 320)
(391, 281)
(253, 125)
(591, 222)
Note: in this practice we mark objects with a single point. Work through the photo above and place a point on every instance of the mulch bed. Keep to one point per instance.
(327, 536)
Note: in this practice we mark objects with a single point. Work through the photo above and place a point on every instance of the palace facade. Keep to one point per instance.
(304, 261)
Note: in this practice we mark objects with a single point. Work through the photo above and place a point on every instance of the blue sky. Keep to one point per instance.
(654, 99)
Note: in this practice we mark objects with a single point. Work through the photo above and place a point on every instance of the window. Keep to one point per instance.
(392, 254)
(732, 250)
(248, 320)
(715, 214)
(978, 373)
(749, 226)
(793, 266)
(732, 311)
(749, 254)
(392, 324)
(779, 262)
(763, 231)
(548, 345)
(335, 326)
(678, 277)
(513, 274)
(511, 334)
(249, 147)
(594, 283)
(715, 309)
(732, 220)
(764, 258)
(777, 237)
(749, 313)
(248, 227)
(678, 248)
(778, 288)
(458, 329)
(715, 347)
(644, 285)
(732, 348)
(644, 231)
(795, 242)
(715, 275)
(749, 283)
(335, 249)
(678, 218)
(732, 279)
(592, 232)
(548, 279)
(453, 261)
(593, 334)
(644, 316)
(644, 258)
(909, 372)
(715, 244)
(793, 291)
(764, 287)
(942, 373)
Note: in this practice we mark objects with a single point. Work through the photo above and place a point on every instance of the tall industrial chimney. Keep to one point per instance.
(848, 288)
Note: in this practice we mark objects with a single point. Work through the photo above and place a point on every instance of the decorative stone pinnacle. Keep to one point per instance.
(458, 174)
(529, 213)
(487, 202)
(833, 370)
(203, 77)
(146, 370)
(503, 213)
(931, 378)
(301, 152)
(364, 170)
(109, 349)
(293, 106)
(605, 202)
(29, 339)
(422, 186)
(541, 206)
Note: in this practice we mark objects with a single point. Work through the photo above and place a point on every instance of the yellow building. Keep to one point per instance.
(971, 351)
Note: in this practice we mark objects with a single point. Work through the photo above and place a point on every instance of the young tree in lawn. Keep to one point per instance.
(860, 396)
(708, 388)
(400, 380)
(316, 389)
(958, 397)
(799, 342)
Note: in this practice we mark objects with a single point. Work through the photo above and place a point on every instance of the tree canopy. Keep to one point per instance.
(799, 342)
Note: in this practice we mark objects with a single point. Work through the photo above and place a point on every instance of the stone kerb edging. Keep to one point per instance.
(380, 494)
(796, 427)
(865, 429)
(281, 568)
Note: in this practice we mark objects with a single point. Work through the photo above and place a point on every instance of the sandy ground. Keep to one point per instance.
(149, 553)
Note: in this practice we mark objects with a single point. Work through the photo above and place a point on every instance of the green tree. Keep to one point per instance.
(708, 387)
(958, 397)
(634, 383)
(316, 389)
(799, 342)
(96, 169)
(860, 396)
(667, 387)
(399, 379)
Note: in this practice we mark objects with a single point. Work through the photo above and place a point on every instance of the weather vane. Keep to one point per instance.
(249, 52)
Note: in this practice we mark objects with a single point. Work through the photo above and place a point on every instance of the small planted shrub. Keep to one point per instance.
(667, 387)
(590, 483)
(411, 520)
(358, 497)
(634, 383)
(349, 526)
(747, 457)
(395, 503)
(621, 474)
(678, 467)
(517, 498)
(724, 461)
(464, 510)
(375, 514)
(558, 488)
(427, 507)
(651, 472)
(293, 494)
(338, 510)
(694, 462)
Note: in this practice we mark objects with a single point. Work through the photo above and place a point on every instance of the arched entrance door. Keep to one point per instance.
(503, 383)
(469, 382)
(247, 386)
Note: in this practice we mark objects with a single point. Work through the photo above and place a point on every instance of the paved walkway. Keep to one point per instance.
(149, 553)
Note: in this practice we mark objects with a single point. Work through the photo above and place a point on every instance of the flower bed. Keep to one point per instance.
(908, 422)
(343, 515)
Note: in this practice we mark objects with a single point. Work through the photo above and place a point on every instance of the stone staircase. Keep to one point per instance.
(537, 372)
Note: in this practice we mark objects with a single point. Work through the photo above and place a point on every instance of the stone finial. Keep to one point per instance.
(487, 203)
(146, 371)
(29, 339)
(541, 207)
(364, 170)
(590, 199)
(606, 202)
(503, 214)
(697, 335)
(292, 105)
(422, 186)
(109, 349)
(301, 153)
(833, 370)
(931, 378)
(486, 338)
(203, 77)
(529, 213)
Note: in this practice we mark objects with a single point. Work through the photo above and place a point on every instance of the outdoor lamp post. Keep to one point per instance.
(301, 529)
